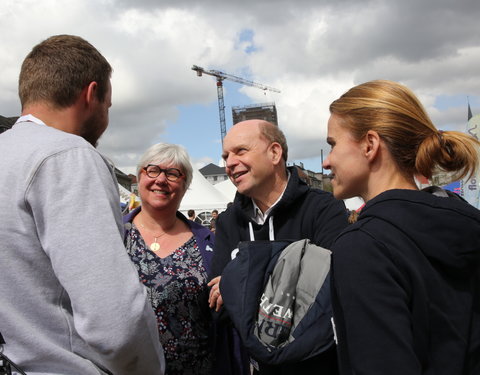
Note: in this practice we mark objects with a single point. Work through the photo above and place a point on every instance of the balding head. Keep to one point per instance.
(267, 130)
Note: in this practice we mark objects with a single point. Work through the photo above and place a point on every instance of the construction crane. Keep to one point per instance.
(220, 76)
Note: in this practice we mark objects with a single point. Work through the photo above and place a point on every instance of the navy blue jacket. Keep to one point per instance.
(302, 213)
(406, 287)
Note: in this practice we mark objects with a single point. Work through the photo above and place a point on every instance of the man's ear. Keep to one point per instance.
(91, 92)
(276, 152)
(372, 145)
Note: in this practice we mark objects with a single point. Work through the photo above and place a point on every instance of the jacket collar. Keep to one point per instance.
(296, 188)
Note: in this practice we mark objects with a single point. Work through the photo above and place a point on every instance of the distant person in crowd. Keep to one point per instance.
(272, 203)
(211, 226)
(71, 302)
(193, 217)
(213, 220)
(172, 256)
(406, 274)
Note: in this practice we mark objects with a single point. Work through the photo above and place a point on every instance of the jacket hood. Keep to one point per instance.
(445, 228)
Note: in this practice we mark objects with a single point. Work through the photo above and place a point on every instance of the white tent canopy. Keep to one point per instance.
(227, 188)
(202, 196)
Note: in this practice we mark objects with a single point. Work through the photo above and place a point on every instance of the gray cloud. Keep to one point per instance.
(312, 50)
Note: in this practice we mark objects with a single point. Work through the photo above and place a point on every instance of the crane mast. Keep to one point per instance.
(220, 76)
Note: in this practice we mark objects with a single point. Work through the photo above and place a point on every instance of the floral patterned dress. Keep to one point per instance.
(177, 288)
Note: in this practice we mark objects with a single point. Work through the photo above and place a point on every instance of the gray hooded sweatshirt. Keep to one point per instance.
(71, 302)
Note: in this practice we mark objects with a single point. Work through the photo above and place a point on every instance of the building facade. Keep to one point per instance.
(265, 111)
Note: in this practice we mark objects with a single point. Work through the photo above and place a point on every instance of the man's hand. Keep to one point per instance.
(215, 298)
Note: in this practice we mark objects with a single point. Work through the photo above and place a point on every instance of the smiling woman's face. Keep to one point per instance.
(160, 193)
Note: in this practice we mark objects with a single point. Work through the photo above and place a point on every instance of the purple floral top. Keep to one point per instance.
(177, 289)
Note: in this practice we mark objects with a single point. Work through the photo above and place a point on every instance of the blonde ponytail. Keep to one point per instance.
(448, 151)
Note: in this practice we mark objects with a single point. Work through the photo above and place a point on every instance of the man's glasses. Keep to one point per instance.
(172, 174)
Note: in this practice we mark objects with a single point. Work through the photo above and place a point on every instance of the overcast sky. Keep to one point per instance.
(312, 50)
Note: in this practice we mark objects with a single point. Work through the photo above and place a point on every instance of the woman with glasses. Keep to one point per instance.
(172, 256)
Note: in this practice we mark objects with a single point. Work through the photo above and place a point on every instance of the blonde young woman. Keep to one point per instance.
(406, 274)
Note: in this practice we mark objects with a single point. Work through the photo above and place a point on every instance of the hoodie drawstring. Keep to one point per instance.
(271, 235)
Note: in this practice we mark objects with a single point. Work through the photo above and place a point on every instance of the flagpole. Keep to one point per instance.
(469, 114)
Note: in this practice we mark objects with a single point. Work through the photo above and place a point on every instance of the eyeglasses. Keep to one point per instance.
(153, 171)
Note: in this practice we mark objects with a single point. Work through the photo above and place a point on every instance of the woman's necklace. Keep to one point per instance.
(155, 246)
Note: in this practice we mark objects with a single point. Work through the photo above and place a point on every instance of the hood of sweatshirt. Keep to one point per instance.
(444, 227)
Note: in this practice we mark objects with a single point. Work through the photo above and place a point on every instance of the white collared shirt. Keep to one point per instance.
(30, 118)
(259, 216)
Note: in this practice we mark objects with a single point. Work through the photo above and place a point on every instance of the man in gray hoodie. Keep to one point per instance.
(71, 302)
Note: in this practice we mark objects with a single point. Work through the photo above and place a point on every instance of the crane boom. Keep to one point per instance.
(220, 76)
